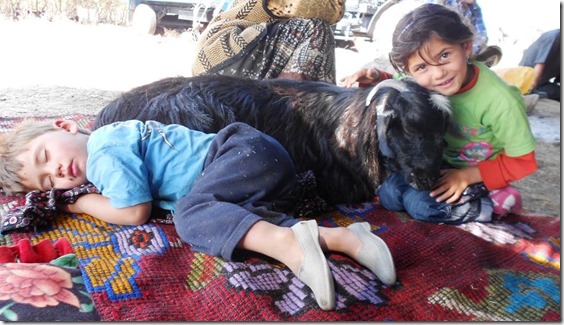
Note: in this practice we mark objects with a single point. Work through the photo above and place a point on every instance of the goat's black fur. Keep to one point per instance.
(325, 128)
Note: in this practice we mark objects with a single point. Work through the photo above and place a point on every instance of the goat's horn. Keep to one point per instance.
(392, 83)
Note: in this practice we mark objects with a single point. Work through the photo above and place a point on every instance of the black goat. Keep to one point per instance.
(350, 138)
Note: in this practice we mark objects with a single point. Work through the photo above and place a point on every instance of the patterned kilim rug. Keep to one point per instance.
(501, 271)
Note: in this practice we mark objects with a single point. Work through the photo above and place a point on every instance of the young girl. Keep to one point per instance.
(228, 191)
(489, 141)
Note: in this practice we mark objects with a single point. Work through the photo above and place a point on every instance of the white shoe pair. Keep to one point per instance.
(315, 273)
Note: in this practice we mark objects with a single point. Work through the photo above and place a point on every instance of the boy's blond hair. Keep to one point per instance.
(13, 144)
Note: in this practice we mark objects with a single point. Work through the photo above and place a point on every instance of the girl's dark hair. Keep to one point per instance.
(418, 26)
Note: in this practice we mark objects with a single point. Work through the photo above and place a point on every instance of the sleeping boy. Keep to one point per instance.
(227, 191)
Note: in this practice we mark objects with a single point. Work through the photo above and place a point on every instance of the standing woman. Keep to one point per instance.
(267, 39)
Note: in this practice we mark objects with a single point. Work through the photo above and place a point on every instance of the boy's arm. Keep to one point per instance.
(99, 207)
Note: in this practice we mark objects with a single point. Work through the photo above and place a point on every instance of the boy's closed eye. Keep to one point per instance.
(47, 181)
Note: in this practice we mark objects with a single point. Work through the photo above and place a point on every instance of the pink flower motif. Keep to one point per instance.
(39, 285)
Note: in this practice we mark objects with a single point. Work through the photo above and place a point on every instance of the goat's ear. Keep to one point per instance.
(441, 102)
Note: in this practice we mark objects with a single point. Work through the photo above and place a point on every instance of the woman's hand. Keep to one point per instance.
(364, 75)
(453, 182)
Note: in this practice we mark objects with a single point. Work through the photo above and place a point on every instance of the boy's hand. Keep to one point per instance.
(453, 182)
(99, 207)
(73, 207)
(68, 207)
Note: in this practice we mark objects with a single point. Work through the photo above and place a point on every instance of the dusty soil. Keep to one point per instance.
(63, 67)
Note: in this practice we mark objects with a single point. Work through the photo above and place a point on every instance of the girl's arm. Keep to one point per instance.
(99, 207)
(501, 171)
(495, 173)
(453, 182)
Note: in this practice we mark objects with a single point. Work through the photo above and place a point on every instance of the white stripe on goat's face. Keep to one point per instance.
(383, 119)
(381, 110)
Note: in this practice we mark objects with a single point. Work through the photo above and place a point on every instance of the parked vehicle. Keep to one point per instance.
(360, 19)
(147, 15)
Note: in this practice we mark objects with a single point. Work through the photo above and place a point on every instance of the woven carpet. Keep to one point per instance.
(501, 271)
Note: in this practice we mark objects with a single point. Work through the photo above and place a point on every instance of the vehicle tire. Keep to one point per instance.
(144, 20)
(386, 24)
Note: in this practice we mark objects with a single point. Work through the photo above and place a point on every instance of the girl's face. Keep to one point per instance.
(441, 66)
(56, 159)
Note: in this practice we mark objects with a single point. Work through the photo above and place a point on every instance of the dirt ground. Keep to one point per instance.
(63, 67)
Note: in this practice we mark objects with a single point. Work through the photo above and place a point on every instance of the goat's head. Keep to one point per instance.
(411, 123)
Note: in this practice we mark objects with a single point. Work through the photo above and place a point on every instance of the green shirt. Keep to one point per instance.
(486, 120)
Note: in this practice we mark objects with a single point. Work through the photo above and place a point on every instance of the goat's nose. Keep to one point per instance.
(426, 183)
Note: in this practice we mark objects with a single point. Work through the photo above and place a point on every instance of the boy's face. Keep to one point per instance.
(55, 159)
(448, 70)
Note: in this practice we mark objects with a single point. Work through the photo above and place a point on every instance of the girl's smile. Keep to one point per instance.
(446, 83)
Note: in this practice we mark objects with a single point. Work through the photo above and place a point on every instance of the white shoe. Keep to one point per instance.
(315, 272)
(374, 253)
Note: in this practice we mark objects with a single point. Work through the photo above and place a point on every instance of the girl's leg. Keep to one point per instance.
(474, 207)
(391, 192)
(397, 195)
(506, 200)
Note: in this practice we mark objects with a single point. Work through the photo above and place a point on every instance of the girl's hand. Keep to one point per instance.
(364, 75)
(453, 182)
